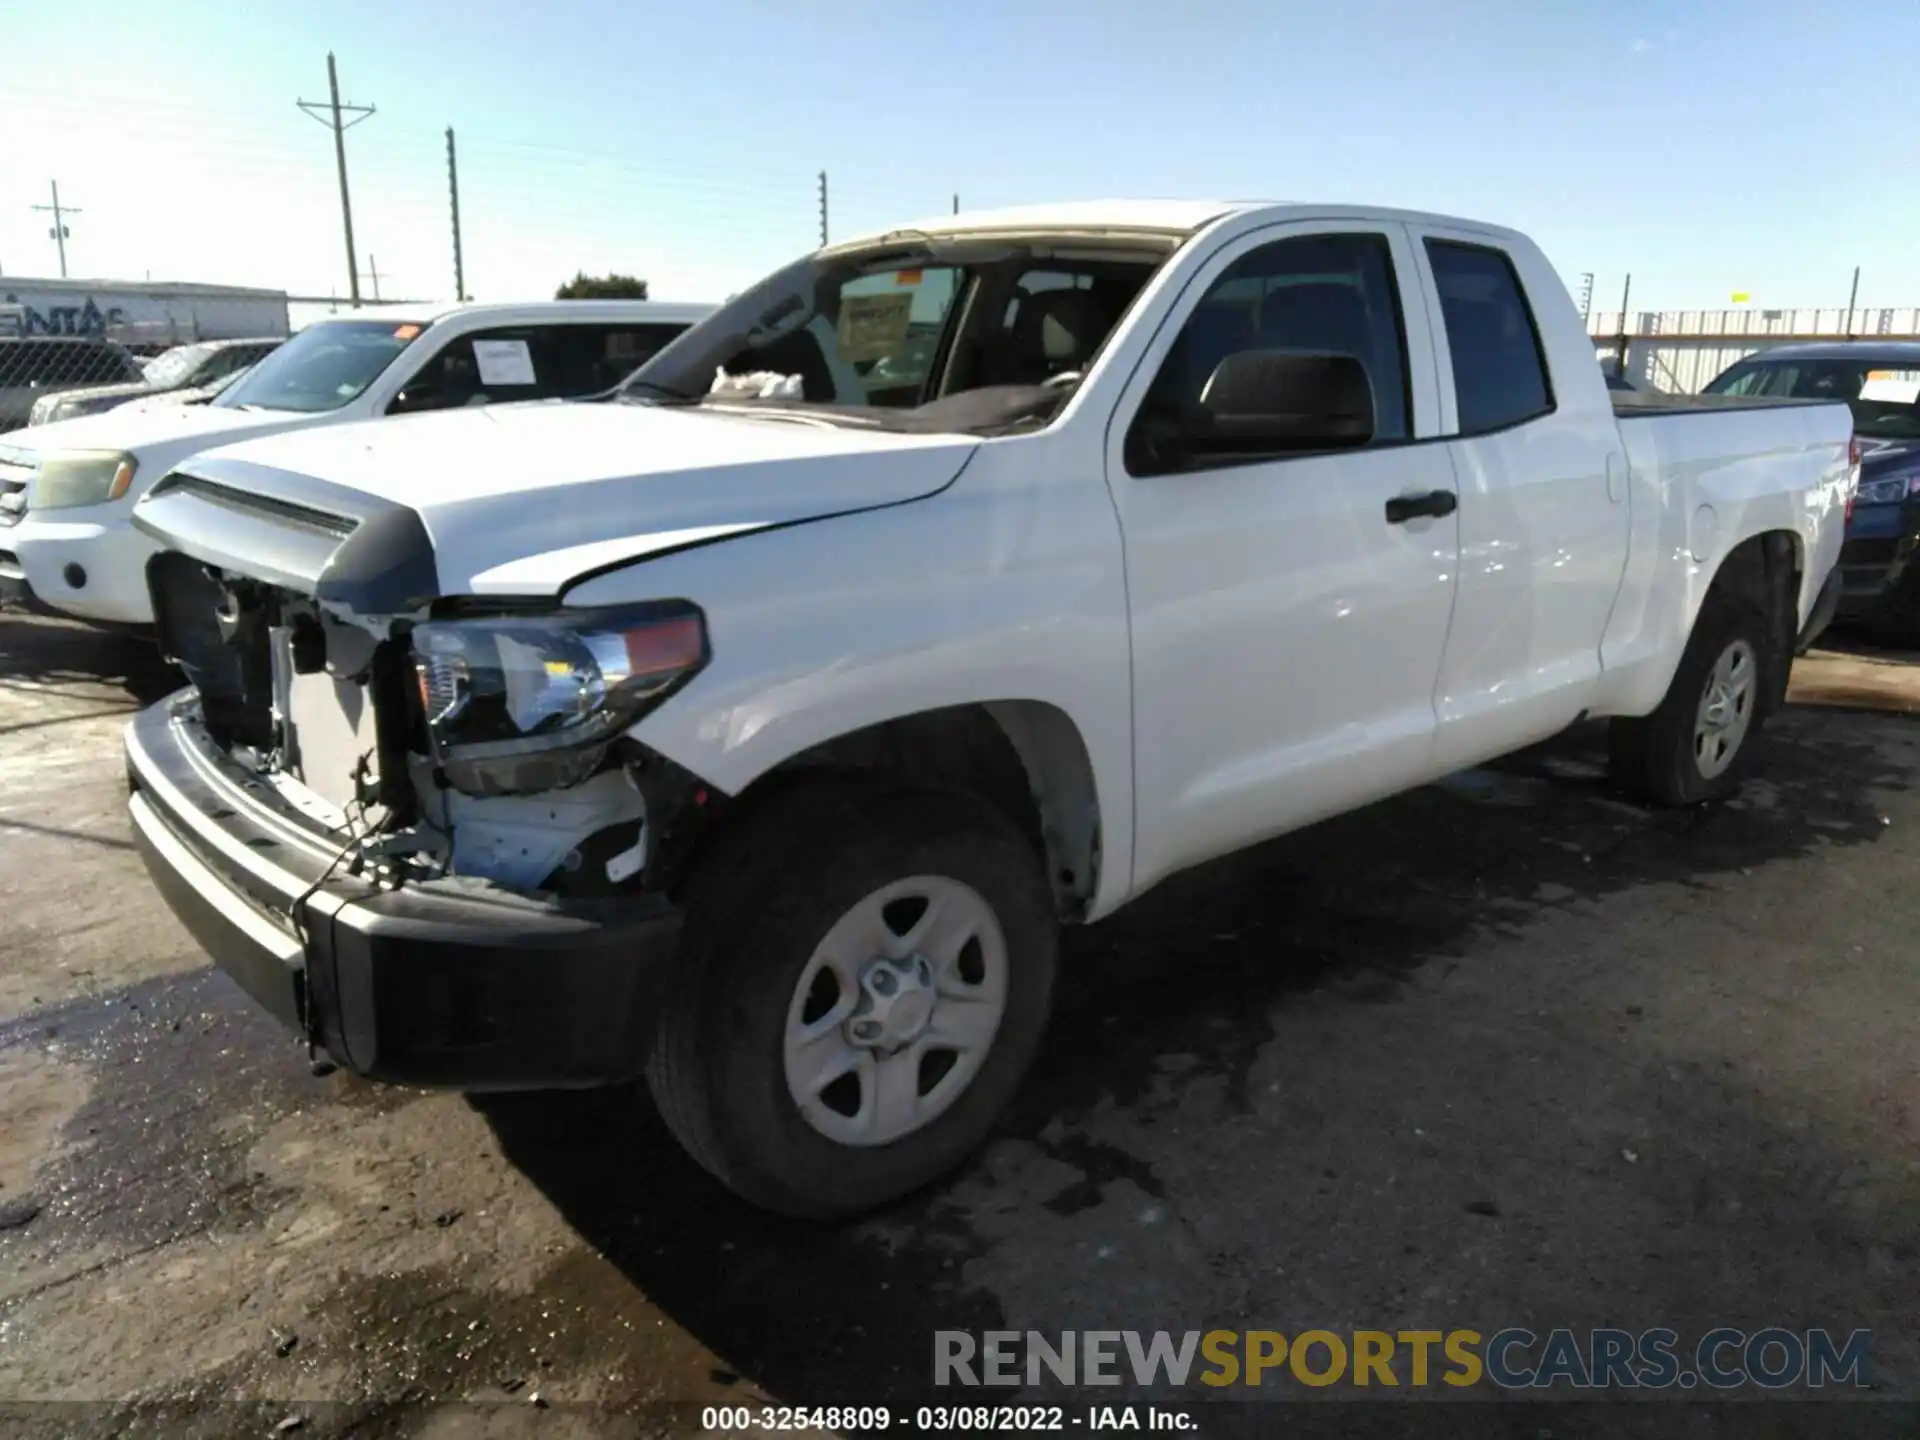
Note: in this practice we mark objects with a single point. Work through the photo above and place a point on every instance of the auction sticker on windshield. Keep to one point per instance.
(872, 326)
(1891, 387)
(503, 362)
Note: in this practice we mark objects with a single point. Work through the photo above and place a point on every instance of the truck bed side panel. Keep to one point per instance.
(1702, 480)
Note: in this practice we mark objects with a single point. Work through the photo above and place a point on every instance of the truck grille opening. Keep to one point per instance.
(217, 634)
(279, 692)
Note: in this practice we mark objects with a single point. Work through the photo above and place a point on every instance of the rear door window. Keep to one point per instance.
(1499, 367)
(588, 359)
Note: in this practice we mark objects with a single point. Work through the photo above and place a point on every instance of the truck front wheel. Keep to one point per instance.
(1696, 746)
(864, 981)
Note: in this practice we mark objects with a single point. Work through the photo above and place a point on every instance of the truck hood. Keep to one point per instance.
(380, 517)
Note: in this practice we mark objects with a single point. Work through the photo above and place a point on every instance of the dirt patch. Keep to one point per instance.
(42, 1096)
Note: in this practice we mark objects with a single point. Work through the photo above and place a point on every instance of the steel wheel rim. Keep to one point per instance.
(901, 1018)
(1725, 712)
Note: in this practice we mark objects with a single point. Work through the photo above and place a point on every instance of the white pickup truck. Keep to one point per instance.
(68, 488)
(759, 733)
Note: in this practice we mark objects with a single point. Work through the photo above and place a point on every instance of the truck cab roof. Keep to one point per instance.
(531, 312)
(1175, 218)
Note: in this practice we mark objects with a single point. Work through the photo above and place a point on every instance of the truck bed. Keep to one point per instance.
(1639, 404)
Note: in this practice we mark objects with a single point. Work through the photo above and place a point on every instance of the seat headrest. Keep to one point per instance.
(1315, 314)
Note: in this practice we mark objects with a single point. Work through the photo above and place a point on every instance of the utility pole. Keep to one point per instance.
(956, 204)
(453, 195)
(58, 234)
(333, 122)
(1852, 296)
(1626, 293)
(373, 274)
(823, 208)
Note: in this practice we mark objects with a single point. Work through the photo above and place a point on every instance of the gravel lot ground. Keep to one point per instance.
(1505, 1051)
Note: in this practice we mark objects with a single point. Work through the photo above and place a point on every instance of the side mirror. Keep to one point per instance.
(415, 398)
(1266, 401)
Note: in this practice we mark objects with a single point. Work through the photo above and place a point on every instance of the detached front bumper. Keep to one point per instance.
(447, 983)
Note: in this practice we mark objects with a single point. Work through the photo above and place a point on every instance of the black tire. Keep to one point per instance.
(757, 910)
(1654, 757)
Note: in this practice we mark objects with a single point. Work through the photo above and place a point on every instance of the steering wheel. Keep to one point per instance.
(1062, 380)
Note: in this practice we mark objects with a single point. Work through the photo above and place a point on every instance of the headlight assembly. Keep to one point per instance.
(80, 477)
(1890, 491)
(525, 704)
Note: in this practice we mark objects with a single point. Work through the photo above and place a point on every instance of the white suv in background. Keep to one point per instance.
(68, 488)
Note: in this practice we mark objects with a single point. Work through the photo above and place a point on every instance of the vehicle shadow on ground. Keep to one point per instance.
(1192, 1003)
(64, 657)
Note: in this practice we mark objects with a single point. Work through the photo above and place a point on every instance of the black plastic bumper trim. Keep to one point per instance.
(367, 554)
(448, 983)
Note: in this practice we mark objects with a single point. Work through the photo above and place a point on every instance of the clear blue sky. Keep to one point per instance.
(1704, 147)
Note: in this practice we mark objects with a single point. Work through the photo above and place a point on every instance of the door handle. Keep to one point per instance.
(1403, 508)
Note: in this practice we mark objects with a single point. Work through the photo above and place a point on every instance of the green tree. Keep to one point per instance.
(602, 287)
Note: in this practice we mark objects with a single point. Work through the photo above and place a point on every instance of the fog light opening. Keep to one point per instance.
(75, 576)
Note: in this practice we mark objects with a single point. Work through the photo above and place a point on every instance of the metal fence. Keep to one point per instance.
(35, 370)
(1681, 350)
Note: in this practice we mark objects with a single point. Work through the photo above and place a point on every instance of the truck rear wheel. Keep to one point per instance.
(1698, 744)
(864, 981)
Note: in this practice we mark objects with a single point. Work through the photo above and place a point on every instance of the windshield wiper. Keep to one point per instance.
(665, 392)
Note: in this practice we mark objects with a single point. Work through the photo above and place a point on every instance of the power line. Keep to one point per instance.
(334, 123)
(59, 231)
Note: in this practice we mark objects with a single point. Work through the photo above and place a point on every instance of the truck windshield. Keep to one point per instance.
(176, 366)
(323, 367)
(888, 336)
(1884, 393)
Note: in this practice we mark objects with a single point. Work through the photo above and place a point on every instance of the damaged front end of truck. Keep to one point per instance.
(415, 828)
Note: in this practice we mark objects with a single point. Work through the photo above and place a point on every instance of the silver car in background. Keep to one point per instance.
(38, 367)
(183, 368)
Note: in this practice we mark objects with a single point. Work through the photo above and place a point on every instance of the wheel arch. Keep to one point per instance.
(1026, 758)
(1766, 570)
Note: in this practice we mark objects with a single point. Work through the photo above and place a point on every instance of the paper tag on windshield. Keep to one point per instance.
(503, 362)
(1891, 387)
(872, 326)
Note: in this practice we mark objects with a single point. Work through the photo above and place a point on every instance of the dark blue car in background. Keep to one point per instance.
(1880, 381)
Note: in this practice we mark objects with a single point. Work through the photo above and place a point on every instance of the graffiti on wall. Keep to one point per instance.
(84, 319)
